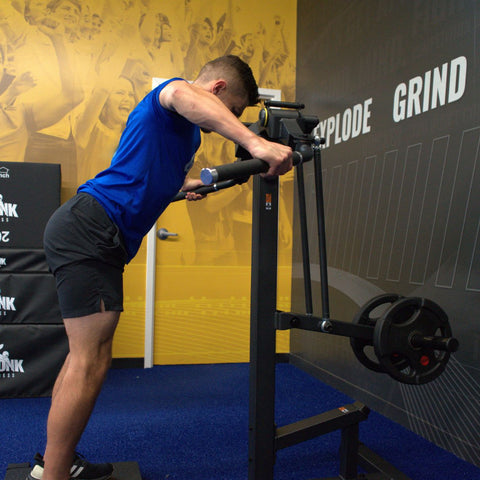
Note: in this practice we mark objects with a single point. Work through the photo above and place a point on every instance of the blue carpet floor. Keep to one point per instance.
(191, 423)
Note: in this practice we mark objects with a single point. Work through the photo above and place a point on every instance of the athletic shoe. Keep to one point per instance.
(81, 469)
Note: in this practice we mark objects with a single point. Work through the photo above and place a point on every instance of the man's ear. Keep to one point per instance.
(219, 86)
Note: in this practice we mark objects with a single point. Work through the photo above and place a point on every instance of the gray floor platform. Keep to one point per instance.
(122, 471)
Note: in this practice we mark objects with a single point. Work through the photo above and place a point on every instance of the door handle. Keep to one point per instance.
(163, 234)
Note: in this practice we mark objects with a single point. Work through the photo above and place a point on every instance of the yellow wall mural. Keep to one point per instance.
(72, 71)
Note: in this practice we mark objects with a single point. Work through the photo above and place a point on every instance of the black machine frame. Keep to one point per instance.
(421, 324)
(265, 439)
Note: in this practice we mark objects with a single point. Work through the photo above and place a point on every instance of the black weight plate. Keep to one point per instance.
(363, 349)
(392, 339)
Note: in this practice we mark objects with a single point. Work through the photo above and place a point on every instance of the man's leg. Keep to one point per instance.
(77, 388)
(60, 375)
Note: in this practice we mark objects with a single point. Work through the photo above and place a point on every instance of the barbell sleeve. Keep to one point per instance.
(240, 169)
(446, 344)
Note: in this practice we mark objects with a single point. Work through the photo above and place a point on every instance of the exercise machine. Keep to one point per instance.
(411, 340)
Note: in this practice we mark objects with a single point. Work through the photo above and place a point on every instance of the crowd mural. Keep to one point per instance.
(73, 70)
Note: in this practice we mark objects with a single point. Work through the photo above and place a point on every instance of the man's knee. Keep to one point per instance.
(93, 364)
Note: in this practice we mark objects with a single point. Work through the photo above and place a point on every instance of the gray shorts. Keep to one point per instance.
(85, 252)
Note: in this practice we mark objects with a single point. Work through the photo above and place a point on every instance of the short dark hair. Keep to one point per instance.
(237, 71)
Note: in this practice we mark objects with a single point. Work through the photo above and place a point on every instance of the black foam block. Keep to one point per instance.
(122, 471)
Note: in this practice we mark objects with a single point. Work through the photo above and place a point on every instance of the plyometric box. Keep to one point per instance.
(30, 358)
(28, 298)
(13, 260)
(29, 194)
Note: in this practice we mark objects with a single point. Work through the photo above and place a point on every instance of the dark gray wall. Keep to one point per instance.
(396, 86)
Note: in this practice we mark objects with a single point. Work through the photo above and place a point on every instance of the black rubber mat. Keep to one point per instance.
(122, 471)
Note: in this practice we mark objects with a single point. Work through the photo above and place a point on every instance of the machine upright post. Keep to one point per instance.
(302, 210)
(262, 329)
(322, 244)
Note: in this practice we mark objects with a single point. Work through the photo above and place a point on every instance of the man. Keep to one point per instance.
(91, 237)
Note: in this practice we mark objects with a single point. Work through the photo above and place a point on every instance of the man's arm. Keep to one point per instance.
(208, 111)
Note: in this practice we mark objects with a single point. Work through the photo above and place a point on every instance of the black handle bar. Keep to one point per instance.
(276, 103)
(207, 189)
(240, 169)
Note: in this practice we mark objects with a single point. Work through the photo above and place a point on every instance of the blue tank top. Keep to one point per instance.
(148, 169)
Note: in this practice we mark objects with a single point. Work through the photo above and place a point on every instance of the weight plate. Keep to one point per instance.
(393, 334)
(368, 315)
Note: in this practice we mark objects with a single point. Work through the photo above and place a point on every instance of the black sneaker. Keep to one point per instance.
(81, 469)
